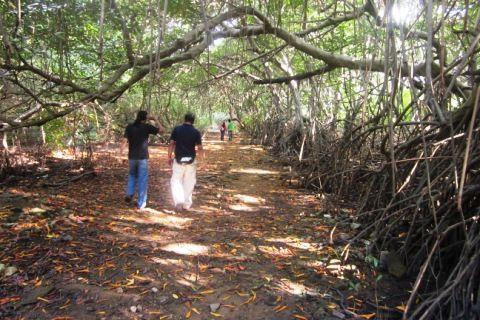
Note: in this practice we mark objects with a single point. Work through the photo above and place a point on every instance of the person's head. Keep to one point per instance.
(141, 116)
(190, 118)
(229, 120)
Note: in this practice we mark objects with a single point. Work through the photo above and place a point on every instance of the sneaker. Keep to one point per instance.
(128, 199)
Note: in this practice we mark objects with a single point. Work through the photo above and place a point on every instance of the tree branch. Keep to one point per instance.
(296, 77)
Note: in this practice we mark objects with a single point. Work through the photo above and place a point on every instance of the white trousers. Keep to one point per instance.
(184, 177)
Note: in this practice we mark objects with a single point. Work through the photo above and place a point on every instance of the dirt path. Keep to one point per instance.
(250, 248)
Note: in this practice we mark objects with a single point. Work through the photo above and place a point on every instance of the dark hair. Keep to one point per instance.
(190, 117)
(141, 116)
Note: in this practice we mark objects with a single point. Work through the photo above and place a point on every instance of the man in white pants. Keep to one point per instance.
(184, 140)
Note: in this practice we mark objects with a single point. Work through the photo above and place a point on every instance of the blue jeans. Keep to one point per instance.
(138, 177)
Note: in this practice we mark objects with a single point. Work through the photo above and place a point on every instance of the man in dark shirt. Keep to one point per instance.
(137, 134)
(183, 141)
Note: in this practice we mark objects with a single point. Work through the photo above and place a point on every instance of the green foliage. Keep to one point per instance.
(55, 133)
(63, 38)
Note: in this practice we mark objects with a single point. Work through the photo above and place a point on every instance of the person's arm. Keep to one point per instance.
(171, 148)
(157, 123)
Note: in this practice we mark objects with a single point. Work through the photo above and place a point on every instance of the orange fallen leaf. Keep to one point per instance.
(65, 305)
(207, 291)
(195, 310)
(281, 308)
(8, 299)
(83, 270)
(155, 312)
(367, 315)
(401, 308)
(218, 315)
(299, 317)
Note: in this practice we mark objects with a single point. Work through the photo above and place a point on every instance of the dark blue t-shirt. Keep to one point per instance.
(137, 135)
(186, 137)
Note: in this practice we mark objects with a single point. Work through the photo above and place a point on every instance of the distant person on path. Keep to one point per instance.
(184, 141)
(231, 129)
(137, 134)
(223, 128)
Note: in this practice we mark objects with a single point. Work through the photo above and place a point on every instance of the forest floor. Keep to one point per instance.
(251, 247)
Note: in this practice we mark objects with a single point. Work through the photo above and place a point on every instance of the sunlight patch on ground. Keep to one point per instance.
(158, 150)
(296, 288)
(242, 207)
(157, 217)
(17, 192)
(295, 243)
(172, 262)
(62, 155)
(251, 148)
(249, 199)
(315, 264)
(187, 249)
(276, 251)
(153, 238)
(253, 171)
(208, 208)
(213, 147)
(192, 280)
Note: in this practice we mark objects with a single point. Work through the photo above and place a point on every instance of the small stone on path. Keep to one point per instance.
(214, 307)
(338, 314)
(10, 271)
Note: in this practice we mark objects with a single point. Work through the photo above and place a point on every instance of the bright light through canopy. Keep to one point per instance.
(405, 12)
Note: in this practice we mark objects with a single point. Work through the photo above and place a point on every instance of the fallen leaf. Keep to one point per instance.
(8, 299)
(218, 315)
(43, 299)
(207, 291)
(401, 308)
(195, 310)
(280, 308)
